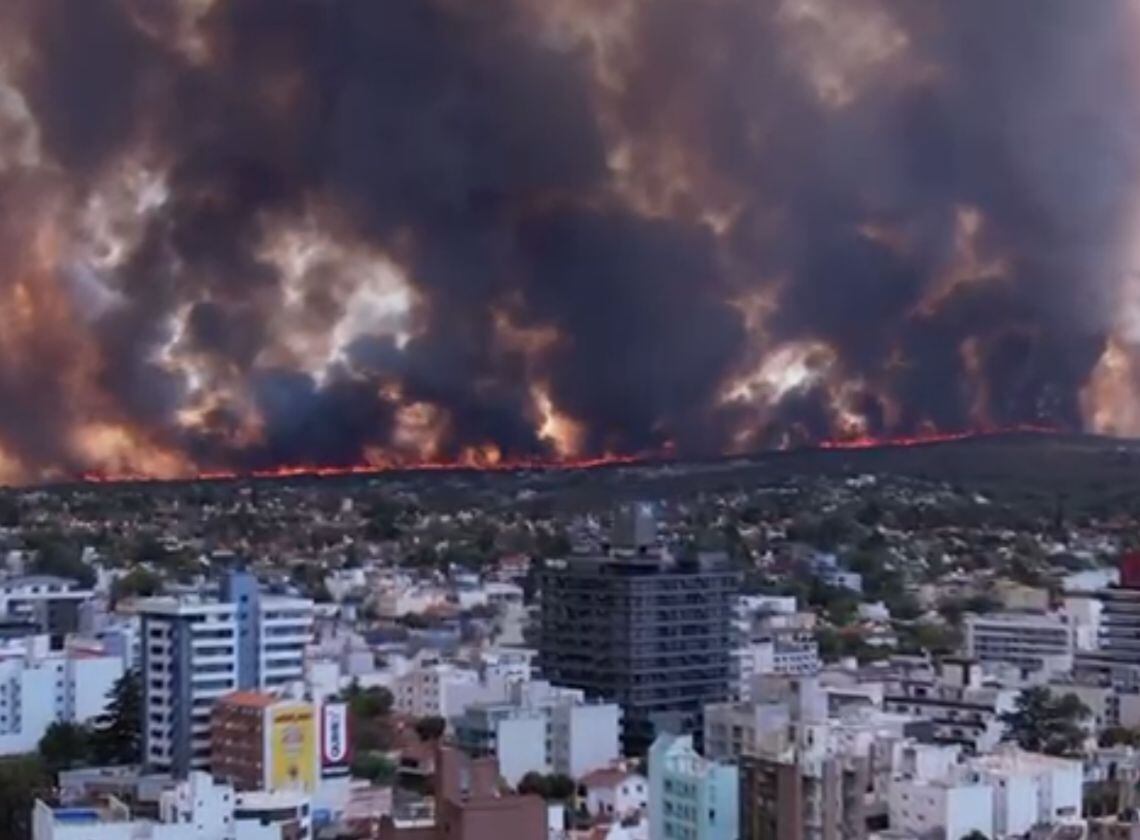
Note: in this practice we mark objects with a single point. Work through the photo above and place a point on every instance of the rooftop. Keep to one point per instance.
(1013, 760)
(251, 699)
(38, 580)
(606, 777)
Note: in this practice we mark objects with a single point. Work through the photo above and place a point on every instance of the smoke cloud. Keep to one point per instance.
(249, 234)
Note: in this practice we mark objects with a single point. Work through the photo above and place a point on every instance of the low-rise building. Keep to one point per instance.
(960, 706)
(196, 809)
(1006, 793)
(941, 808)
(468, 805)
(614, 793)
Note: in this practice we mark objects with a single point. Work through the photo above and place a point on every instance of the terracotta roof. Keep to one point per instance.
(255, 699)
(606, 777)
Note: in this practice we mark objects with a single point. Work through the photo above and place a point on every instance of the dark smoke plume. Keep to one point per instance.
(243, 234)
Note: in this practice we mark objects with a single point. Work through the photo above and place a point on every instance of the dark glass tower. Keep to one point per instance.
(633, 625)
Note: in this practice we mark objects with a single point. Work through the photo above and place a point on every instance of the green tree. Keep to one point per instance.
(1118, 736)
(117, 738)
(1043, 722)
(371, 702)
(559, 787)
(533, 783)
(430, 728)
(65, 745)
(369, 726)
(375, 767)
(23, 779)
(60, 556)
(137, 583)
(553, 788)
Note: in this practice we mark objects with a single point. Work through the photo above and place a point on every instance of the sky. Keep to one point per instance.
(241, 235)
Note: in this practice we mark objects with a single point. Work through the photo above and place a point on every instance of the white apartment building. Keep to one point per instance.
(773, 638)
(963, 709)
(39, 687)
(405, 598)
(196, 809)
(432, 686)
(20, 596)
(1029, 640)
(583, 737)
(1029, 789)
(615, 793)
(284, 629)
(195, 651)
(829, 769)
(51, 603)
(1003, 794)
(189, 660)
(542, 728)
(940, 808)
(435, 688)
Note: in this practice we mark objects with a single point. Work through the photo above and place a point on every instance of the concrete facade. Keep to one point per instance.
(691, 798)
(634, 626)
(195, 651)
(39, 688)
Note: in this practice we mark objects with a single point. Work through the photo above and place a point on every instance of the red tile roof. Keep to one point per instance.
(606, 777)
(255, 699)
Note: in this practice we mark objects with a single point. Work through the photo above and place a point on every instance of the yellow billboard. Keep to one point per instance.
(293, 747)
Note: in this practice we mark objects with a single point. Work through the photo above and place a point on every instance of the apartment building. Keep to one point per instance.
(633, 625)
(807, 773)
(960, 705)
(1117, 658)
(1006, 793)
(196, 651)
(196, 809)
(690, 797)
(39, 687)
(543, 729)
(1033, 641)
(263, 742)
(51, 604)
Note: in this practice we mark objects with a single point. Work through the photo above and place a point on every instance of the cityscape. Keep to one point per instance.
(809, 644)
(569, 420)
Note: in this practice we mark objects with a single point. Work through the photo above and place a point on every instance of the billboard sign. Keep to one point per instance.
(335, 748)
(293, 745)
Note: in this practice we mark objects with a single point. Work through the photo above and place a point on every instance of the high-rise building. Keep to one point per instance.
(195, 651)
(633, 625)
